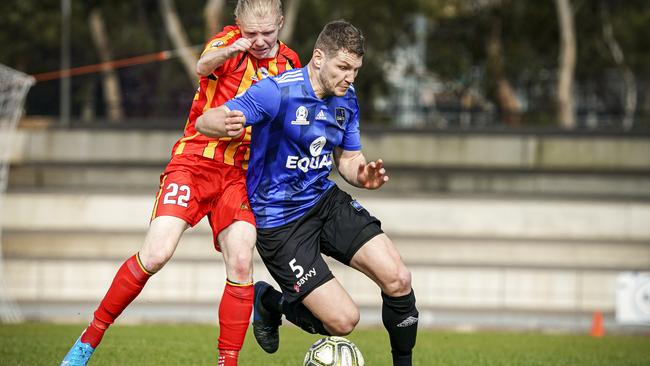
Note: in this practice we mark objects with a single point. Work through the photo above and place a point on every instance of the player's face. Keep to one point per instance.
(263, 34)
(338, 73)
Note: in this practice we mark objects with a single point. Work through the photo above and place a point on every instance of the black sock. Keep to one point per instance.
(271, 300)
(400, 318)
(298, 314)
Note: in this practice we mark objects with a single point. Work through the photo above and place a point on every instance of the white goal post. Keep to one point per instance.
(14, 86)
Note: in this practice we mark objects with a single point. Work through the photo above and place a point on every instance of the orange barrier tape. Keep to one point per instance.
(115, 64)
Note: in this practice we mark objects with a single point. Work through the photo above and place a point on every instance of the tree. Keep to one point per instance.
(212, 14)
(503, 50)
(110, 80)
(567, 62)
(629, 104)
(179, 38)
(509, 104)
(291, 8)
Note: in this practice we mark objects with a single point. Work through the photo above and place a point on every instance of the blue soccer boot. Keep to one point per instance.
(78, 355)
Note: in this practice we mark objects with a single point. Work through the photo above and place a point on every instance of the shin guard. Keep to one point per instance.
(234, 315)
(127, 285)
(400, 318)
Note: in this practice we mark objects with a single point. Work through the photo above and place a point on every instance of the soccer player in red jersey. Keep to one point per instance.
(206, 177)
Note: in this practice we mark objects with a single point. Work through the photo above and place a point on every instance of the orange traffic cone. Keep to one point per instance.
(597, 327)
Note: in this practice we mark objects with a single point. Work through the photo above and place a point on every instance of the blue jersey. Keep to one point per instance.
(293, 136)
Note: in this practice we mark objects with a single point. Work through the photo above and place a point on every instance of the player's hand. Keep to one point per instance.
(234, 123)
(372, 175)
(240, 45)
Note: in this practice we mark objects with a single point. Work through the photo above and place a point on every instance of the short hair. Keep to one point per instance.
(258, 9)
(340, 35)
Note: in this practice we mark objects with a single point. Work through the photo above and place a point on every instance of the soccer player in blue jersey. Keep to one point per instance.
(304, 121)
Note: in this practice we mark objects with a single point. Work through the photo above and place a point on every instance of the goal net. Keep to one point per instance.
(13, 89)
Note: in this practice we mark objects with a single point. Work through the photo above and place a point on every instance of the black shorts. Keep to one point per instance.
(336, 226)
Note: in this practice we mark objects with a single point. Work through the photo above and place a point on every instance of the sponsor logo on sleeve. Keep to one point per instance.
(356, 205)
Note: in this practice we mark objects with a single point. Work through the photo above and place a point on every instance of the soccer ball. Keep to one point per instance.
(333, 351)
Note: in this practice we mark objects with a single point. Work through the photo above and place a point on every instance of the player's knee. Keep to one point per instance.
(238, 258)
(154, 261)
(239, 233)
(344, 324)
(240, 265)
(399, 284)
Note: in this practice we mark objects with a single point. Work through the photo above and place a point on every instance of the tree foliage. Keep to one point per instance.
(456, 50)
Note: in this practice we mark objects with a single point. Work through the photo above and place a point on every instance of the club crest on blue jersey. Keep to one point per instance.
(340, 116)
(301, 116)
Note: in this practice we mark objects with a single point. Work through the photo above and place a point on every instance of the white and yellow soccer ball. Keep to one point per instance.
(333, 351)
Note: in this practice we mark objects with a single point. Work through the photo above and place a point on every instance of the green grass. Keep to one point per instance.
(45, 344)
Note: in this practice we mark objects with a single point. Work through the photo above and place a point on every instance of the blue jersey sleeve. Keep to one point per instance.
(351, 138)
(259, 103)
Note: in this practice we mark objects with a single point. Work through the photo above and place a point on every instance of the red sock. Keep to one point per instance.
(126, 286)
(234, 316)
(228, 358)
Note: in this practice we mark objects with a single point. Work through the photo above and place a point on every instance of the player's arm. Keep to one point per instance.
(221, 122)
(215, 57)
(355, 170)
(259, 103)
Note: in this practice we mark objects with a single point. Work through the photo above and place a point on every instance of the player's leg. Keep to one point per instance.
(160, 243)
(379, 260)
(334, 307)
(237, 242)
(354, 237)
(328, 309)
(233, 221)
(311, 298)
(291, 254)
(175, 207)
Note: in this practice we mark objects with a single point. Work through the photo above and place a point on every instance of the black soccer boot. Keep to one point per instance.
(265, 322)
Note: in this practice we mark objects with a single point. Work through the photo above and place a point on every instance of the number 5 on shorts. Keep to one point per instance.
(296, 268)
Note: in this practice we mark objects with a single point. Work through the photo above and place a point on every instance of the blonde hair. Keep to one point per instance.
(246, 9)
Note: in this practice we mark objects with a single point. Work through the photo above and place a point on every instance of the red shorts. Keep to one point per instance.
(192, 187)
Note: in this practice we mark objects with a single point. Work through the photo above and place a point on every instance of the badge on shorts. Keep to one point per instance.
(357, 206)
(244, 207)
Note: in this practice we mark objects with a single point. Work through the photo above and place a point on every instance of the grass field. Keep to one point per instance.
(149, 345)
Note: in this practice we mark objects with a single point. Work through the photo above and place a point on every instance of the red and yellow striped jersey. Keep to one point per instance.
(230, 79)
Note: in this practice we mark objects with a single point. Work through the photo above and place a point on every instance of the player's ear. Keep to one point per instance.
(280, 22)
(319, 57)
